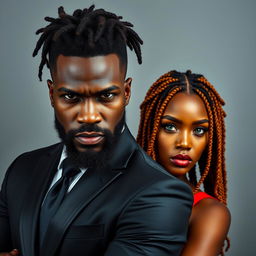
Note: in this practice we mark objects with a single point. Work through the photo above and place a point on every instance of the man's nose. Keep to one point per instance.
(184, 140)
(89, 112)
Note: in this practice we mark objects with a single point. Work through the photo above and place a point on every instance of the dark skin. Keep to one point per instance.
(184, 131)
(88, 90)
(14, 252)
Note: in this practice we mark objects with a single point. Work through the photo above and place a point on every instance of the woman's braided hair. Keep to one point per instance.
(211, 165)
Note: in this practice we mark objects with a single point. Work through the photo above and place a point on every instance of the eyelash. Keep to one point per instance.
(169, 124)
(73, 98)
(103, 97)
(204, 129)
(165, 126)
(69, 97)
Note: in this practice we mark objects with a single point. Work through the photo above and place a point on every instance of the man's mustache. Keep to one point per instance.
(87, 128)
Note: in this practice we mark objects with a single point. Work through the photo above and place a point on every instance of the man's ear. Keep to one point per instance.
(50, 87)
(127, 90)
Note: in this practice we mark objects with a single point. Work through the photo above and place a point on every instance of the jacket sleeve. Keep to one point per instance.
(5, 234)
(155, 222)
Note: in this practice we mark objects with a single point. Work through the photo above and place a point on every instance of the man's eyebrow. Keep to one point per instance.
(171, 118)
(66, 90)
(109, 89)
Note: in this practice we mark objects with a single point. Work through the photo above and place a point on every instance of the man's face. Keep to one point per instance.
(89, 95)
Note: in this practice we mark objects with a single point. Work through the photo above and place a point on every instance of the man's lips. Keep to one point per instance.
(89, 138)
(181, 160)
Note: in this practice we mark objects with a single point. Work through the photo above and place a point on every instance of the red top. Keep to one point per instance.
(199, 196)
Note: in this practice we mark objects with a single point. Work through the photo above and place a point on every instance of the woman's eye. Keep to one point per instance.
(170, 127)
(200, 131)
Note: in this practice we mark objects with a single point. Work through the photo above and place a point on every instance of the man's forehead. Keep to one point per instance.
(100, 62)
(87, 68)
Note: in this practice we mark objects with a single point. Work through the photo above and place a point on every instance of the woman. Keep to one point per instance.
(182, 128)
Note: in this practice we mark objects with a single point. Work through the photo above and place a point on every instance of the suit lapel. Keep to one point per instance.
(40, 181)
(88, 187)
(92, 183)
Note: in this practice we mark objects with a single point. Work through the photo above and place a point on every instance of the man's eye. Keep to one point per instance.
(70, 97)
(170, 127)
(200, 131)
(107, 96)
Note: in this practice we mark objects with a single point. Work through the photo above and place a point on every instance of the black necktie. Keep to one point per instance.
(55, 196)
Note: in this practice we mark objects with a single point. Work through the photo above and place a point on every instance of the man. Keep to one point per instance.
(95, 193)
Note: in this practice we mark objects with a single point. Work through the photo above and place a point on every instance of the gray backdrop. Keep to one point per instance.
(215, 38)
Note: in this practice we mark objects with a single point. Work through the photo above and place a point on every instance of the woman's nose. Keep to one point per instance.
(184, 140)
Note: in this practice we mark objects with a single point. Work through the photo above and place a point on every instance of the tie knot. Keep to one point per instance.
(69, 169)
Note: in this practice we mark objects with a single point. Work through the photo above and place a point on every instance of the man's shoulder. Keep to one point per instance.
(147, 164)
(35, 154)
(151, 184)
(46, 149)
(24, 165)
(150, 172)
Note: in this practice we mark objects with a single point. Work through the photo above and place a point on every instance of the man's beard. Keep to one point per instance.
(90, 158)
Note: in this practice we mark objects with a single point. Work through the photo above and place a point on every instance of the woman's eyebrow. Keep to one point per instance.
(171, 118)
(201, 121)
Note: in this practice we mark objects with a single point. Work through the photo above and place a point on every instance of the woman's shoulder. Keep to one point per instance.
(209, 225)
(206, 207)
(209, 214)
(199, 196)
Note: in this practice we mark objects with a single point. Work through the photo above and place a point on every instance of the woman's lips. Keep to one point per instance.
(89, 138)
(181, 160)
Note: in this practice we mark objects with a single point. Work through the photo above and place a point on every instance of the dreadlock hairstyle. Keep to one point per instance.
(86, 33)
(211, 165)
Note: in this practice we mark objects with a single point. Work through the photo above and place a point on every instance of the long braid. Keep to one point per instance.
(207, 166)
(219, 168)
(212, 167)
(148, 108)
(220, 181)
(159, 113)
(220, 189)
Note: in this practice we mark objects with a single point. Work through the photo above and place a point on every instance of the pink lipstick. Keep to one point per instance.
(181, 160)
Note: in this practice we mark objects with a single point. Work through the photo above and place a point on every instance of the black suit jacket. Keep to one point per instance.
(131, 207)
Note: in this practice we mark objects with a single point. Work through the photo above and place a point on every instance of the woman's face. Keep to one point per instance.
(183, 134)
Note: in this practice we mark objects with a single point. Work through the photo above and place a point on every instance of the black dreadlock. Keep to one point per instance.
(86, 33)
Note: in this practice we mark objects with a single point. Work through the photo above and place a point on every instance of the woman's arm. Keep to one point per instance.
(209, 225)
